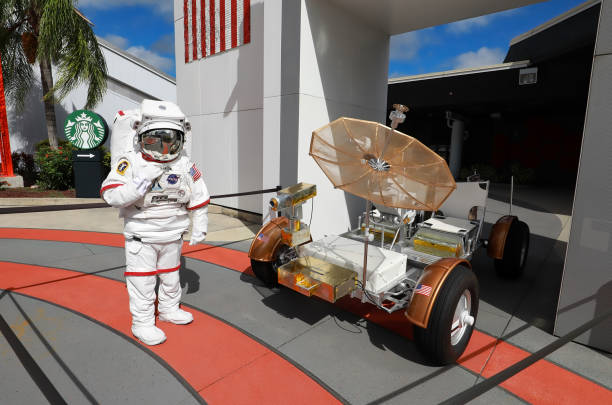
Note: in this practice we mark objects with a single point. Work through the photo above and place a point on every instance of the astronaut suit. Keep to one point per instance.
(155, 186)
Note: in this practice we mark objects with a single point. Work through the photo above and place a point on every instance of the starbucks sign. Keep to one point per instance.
(85, 129)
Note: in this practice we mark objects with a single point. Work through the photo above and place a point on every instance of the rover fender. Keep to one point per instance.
(499, 234)
(435, 274)
(266, 241)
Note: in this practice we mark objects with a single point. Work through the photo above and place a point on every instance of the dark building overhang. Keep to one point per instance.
(572, 30)
(560, 49)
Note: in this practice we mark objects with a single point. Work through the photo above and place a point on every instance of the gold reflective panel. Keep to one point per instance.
(314, 277)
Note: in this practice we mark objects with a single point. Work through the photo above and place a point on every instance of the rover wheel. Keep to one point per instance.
(267, 271)
(515, 251)
(452, 318)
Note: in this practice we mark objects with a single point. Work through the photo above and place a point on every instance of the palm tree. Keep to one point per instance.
(49, 33)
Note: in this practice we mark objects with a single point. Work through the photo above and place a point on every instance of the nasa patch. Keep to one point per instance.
(172, 179)
(122, 166)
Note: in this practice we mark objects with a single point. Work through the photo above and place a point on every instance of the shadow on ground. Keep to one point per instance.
(312, 311)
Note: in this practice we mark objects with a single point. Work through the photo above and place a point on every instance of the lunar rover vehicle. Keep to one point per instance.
(412, 247)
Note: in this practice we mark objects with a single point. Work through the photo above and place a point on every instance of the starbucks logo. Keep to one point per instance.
(85, 129)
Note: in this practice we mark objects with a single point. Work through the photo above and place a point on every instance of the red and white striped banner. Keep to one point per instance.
(213, 26)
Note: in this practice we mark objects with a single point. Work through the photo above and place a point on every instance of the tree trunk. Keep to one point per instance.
(46, 76)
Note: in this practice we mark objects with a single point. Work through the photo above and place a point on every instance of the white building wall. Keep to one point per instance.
(586, 288)
(222, 95)
(253, 108)
(129, 82)
(343, 72)
(281, 94)
(309, 62)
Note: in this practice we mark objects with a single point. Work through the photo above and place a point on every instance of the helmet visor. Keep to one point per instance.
(162, 142)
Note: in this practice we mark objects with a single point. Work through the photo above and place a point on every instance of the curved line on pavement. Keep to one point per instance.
(475, 357)
(164, 364)
(215, 358)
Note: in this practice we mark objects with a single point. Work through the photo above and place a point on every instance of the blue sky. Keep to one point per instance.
(145, 28)
(468, 43)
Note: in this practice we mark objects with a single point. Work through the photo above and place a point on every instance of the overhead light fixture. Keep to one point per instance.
(528, 76)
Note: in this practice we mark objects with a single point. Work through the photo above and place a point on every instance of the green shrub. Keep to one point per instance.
(54, 166)
(60, 142)
(23, 165)
(106, 159)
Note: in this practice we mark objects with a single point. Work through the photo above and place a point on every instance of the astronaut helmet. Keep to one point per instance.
(161, 130)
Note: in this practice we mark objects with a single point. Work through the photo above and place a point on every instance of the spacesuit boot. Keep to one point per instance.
(141, 291)
(169, 297)
(150, 335)
(178, 317)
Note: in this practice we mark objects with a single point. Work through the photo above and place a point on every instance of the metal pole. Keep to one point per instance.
(511, 193)
(454, 160)
(365, 247)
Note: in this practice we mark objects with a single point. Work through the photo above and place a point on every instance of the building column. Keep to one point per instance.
(280, 94)
(457, 124)
(586, 290)
(456, 147)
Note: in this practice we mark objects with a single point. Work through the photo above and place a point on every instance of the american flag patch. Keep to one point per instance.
(195, 173)
(423, 289)
(213, 26)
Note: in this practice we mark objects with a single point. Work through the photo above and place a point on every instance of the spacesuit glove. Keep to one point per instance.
(142, 185)
(150, 171)
(197, 237)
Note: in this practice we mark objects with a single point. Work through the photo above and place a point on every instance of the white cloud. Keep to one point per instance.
(164, 45)
(405, 46)
(154, 59)
(465, 26)
(164, 7)
(117, 40)
(482, 57)
(148, 55)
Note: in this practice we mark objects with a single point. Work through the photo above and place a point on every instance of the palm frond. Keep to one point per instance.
(17, 73)
(62, 36)
(57, 21)
(81, 60)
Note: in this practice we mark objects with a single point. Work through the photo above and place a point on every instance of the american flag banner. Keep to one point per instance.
(213, 26)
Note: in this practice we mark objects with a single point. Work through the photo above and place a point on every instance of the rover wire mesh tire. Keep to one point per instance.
(449, 330)
(266, 272)
(515, 251)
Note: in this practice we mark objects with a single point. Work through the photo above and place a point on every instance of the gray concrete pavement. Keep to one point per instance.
(362, 361)
(224, 224)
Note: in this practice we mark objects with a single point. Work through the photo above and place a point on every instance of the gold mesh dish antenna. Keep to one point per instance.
(382, 165)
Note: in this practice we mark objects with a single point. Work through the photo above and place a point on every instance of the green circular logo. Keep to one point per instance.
(85, 129)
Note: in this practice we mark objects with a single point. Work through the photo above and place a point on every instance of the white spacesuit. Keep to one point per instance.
(155, 185)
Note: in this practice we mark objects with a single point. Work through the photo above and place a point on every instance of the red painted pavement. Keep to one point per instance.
(221, 363)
